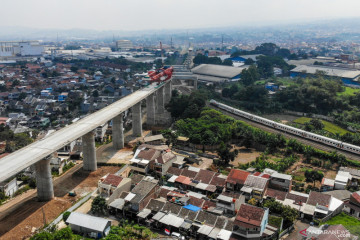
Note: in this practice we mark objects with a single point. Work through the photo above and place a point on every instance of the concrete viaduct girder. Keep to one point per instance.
(37, 152)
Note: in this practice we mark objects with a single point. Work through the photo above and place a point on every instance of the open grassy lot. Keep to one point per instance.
(330, 127)
(350, 223)
(286, 81)
(348, 91)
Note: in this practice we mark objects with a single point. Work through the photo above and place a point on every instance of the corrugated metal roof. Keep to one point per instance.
(158, 216)
(205, 229)
(172, 220)
(218, 70)
(144, 213)
(118, 203)
(224, 234)
(330, 71)
(87, 221)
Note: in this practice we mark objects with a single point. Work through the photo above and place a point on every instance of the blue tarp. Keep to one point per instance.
(192, 208)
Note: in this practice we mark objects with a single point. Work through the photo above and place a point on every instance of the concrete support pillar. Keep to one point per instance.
(160, 101)
(168, 89)
(118, 131)
(195, 83)
(136, 120)
(44, 184)
(89, 154)
(150, 110)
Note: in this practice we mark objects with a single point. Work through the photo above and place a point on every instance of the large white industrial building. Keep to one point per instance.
(124, 44)
(20, 48)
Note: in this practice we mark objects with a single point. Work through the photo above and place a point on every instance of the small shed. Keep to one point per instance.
(155, 139)
(94, 227)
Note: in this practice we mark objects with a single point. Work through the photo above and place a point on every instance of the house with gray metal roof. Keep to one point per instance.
(94, 227)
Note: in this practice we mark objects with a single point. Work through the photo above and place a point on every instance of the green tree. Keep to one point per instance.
(95, 93)
(250, 75)
(22, 96)
(249, 61)
(227, 62)
(66, 216)
(171, 136)
(313, 176)
(42, 236)
(98, 206)
(63, 234)
(225, 154)
(74, 69)
(318, 124)
(289, 215)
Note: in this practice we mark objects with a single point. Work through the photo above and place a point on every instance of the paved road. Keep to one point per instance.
(27, 156)
(287, 135)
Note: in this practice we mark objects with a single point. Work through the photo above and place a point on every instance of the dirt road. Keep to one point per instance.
(21, 219)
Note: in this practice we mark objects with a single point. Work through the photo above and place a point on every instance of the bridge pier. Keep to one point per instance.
(89, 154)
(160, 101)
(150, 110)
(168, 89)
(118, 131)
(44, 184)
(137, 120)
(196, 83)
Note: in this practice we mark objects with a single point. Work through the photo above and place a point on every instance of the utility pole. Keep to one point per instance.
(222, 42)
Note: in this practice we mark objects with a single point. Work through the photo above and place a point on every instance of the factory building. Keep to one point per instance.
(348, 76)
(218, 73)
(20, 48)
(124, 44)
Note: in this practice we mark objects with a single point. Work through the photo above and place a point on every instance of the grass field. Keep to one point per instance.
(287, 81)
(348, 91)
(330, 127)
(350, 223)
(260, 82)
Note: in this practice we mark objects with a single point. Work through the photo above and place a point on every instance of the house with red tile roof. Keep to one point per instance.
(111, 183)
(252, 223)
(236, 179)
(353, 205)
(162, 163)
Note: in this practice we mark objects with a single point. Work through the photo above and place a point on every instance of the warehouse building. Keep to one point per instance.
(218, 73)
(347, 76)
(20, 48)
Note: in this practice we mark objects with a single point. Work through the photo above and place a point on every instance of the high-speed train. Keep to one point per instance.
(304, 134)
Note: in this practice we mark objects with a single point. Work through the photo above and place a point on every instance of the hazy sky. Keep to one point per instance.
(167, 14)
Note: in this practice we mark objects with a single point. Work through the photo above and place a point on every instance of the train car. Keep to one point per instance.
(285, 128)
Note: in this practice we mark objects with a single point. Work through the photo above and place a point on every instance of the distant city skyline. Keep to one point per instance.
(137, 15)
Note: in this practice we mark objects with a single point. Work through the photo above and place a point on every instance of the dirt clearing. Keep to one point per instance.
(21, 222)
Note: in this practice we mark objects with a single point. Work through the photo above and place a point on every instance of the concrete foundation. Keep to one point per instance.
(160, 101)
(150, 110)
(118, 132)
(44, 184)
(168, 89)
(89, 154)
(136, 120)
